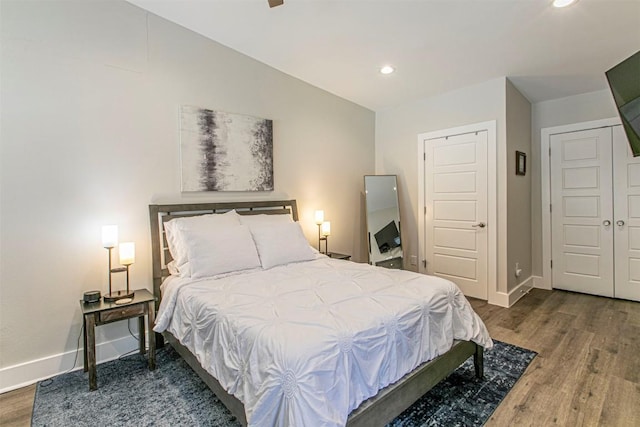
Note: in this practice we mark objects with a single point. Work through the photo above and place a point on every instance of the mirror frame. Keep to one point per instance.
(395, 256)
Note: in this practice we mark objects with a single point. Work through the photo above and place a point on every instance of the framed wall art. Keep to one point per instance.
(225, 152)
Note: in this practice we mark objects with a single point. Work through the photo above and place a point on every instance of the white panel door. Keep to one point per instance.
(582, 211)
(626, 226)
(456, 211)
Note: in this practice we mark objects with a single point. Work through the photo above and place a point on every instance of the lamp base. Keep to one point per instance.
(113, 296)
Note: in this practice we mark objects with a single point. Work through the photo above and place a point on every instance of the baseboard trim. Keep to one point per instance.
(500, 299)
(521, 290)
(504, 299)
(27, 373)
(538, 283)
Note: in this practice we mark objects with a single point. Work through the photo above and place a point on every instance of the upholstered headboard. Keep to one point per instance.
(159, 214)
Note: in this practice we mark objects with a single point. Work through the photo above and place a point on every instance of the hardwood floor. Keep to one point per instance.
(16, 407)
(587, 371)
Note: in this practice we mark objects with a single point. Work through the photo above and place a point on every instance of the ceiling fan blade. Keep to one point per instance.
(274, 3)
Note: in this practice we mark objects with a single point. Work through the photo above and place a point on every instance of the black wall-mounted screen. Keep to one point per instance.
(624, 81)
(388, 237)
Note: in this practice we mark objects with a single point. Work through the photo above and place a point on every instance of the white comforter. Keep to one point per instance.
(306, 343)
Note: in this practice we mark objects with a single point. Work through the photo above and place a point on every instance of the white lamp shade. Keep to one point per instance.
(326, 228)
(127, 253)
(319, 216)
(109, 236)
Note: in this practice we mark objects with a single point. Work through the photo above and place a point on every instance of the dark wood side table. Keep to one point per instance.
(393, 263)
(338, 256)
(100, 313)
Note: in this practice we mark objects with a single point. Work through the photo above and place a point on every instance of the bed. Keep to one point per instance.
(285, 342)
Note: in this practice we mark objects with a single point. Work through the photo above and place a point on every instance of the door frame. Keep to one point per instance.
(492, 200)
(545, 185)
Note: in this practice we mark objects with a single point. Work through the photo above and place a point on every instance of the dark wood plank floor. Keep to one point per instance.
(587, 372)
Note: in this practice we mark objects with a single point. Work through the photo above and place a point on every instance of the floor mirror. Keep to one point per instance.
(383, 220)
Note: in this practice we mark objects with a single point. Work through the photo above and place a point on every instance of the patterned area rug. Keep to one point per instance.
(130, 395)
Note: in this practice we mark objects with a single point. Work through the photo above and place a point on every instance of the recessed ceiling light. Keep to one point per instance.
(563, 3)
(387, 69)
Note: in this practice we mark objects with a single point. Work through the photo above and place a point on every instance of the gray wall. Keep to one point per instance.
(558, 112)
(90, 96)
(397, 132)
(518, 122)
(397, 153)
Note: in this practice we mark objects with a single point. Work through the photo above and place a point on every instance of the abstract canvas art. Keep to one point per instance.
(225, 152)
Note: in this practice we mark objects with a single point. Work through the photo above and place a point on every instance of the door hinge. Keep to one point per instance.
(424, 263)
(424, 156)
(549, 151)
(551, 263)
(550, 208)
(425, 210)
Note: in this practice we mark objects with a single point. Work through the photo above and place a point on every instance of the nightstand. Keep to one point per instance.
(393, 263)
(101, 313)
(338, 256)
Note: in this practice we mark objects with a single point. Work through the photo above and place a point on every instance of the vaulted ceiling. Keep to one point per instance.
(435, 45)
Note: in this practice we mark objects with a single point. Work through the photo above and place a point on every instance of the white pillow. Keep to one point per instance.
(280, 244)
(175, 228)
(173, 269)
(265, 219)
(216, 251)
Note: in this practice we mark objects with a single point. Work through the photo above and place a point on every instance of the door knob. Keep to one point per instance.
(620, 222)
(606, 223)
(480, 224)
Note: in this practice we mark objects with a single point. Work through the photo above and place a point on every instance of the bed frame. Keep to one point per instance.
(376, 411)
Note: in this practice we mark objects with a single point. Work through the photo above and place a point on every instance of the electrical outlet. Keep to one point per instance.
(413, 260)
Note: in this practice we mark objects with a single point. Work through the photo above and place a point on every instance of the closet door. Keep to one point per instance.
(626, 219)
(582, 211)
